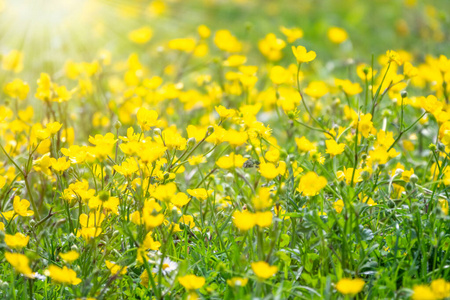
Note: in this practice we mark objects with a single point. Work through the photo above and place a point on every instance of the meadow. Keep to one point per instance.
(212, 149)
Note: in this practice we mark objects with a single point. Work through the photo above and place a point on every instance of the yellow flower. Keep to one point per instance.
(147, 118)
(394, 56)
(236, 138)
(128, 167)
(316, 157)
(90, 225)
(77, 154)
(13, 61)
(150, 243)
(165, 192)
(171, 139)
(231, 161)
(225, 113)
(53, 127)
(423, 292)
(304, 145)
(152, 221)
(141, 35)
(17, 241)
(184, 44)
(17, 89)
(348, 286)
(21, 207)
(187, 220)
(349, 87)
(364, 72)
(8, 215)
(279, 75)
(237, 281)
(244, 220)
(89, 232)
(201, 193)
(62, 275)
(60, 165)
(115, 268)
(409, 70)
(302, 55)
(70, 256)
(235, 61)
(337, 35)
(316, 89)
(370, 202)
(443, 204)
(365, 125)
(144, 278)
(263, 270)
(20, 263)
(338, 206)
(225, 41)
(271, 47)
(440, 288)
(191, 282)
(263, 219)
(196, 160)
(203, 31)
(262, 201)
(311, 184)
(180, 199)
(333, 148)
(292, 34)
(269, 171)
(2, 181)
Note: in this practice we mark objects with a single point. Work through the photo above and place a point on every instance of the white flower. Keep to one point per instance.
(39, 276)
(168, 266)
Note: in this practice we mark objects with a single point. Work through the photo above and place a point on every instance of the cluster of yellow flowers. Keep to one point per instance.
(131, 174)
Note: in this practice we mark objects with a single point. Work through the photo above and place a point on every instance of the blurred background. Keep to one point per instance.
(49, 32)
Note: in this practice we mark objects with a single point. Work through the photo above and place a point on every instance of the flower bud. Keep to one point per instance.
(409, 186)
(404, 94)
(117, 125)
(103, 196)
(441, 147)
(71, 238)
(210, 130)
(229, 178)
(371, 138)
(399, 172)
(413, 178)
(191, 142)
(432, 147)
(74, 247)
(4, 285)
(365, 175)
(386, 113)
(227, 187)
(291, 115)
(156, 131)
